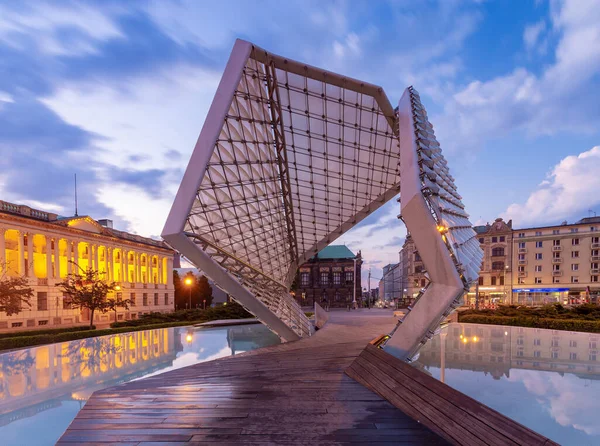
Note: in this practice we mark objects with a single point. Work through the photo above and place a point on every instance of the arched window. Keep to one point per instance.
(497, 251)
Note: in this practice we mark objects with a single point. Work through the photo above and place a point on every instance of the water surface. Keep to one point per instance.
(43, 388)
(546, 380)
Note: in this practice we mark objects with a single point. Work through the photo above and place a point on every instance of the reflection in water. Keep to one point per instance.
(55, 380)
(545, 379)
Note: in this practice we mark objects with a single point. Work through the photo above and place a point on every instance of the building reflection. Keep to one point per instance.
(243, 338)
(41, 378)
(498, 349)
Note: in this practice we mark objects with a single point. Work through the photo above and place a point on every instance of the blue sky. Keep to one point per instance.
(117, 92)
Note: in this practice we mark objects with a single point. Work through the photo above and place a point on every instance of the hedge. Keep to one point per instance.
(534, 322)
(48, 331)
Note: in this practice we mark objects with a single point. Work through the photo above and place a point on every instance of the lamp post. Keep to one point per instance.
(188, 282)
(504, 281)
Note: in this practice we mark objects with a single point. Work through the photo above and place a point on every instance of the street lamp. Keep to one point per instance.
(188, 282)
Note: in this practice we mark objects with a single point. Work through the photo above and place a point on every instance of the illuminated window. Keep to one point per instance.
(337, 278)
(324, 278)
(304, 279)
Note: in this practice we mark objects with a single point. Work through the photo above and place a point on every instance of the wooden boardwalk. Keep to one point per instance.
(294, 393)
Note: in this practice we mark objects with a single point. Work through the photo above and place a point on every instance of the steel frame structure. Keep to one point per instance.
(292, 156)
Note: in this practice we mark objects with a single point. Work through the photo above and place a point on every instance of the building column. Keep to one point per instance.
(49, 274)
(57, 258)
(170, 272)
(76, 257)
(69, 253)
(3, 266)
(108, 256)
(20, 236)
(30, 272)
(150, 268)
(96, 264)
(159, 269)
(124, 259)
(138, 268)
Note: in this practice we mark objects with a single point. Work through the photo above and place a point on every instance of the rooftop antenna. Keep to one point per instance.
(76, 215)
(590, 211)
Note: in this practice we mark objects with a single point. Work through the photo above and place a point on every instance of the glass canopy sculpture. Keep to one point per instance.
(290, 157)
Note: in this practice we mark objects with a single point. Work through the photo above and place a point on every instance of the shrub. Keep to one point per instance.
(48, 331)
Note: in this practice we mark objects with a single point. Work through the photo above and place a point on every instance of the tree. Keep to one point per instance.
(14, 291)
(117, 302)
(86, 289)
(191, 291)
(204, 292)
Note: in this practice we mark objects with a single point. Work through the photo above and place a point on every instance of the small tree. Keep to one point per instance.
(116, 303)
(14, 291)
(86, 289)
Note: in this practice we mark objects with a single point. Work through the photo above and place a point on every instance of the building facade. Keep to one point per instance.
(45, 248)
(392, 281)
(496, 275)
(530, 266)
(331, 277)
(416, 277)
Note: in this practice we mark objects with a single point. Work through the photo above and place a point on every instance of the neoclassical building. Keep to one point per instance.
(45, 248)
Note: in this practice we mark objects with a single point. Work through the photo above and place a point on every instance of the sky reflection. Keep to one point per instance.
(547, 380)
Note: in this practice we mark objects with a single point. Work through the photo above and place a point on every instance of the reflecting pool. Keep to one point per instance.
(43, 388)
(546, 380)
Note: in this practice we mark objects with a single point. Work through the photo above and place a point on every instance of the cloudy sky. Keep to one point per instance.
(117, 93)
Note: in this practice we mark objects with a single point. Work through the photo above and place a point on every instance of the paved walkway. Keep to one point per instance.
(294, 393)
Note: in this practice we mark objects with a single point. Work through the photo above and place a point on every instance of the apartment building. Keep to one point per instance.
(529, 266)
(557, 263)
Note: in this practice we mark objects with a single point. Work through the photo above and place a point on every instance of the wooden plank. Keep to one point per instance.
(287, 394)
(509, 428)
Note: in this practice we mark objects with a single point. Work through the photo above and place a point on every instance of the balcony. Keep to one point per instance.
(557, 260)
(556, 273)
(594, 271)
(522, 273)
(595, 245)
(522, 262)
(557, 248)
(595, 258)
(522, 250)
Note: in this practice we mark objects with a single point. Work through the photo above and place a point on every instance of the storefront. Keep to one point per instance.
(489, 297)
(541, 296)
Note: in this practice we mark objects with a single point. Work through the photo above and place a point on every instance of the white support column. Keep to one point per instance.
(30, 272)
(2, 249)
(49, 274)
